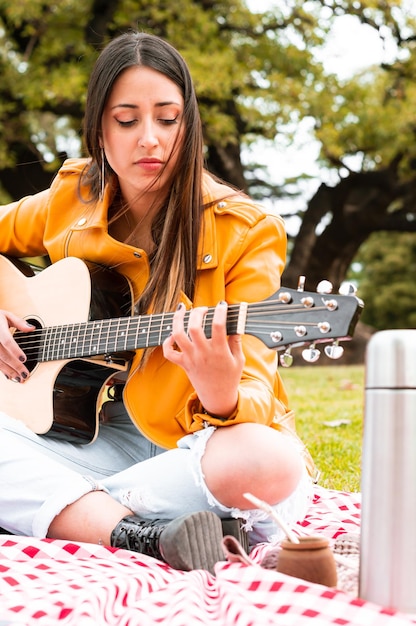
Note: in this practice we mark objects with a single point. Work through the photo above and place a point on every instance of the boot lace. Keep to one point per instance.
(142, 536)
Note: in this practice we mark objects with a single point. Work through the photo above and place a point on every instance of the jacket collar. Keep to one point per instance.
(207, 248)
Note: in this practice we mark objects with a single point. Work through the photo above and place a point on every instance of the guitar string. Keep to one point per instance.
(147, 324)
(162, 321)
(157, 318)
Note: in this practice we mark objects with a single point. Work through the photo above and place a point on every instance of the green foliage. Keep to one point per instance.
(366, 117)
(328, 403)
(386, 271)
(43, 60)
(262, 63)
(234, 55)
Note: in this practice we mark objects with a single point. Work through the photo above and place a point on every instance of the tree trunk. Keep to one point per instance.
(339, 219)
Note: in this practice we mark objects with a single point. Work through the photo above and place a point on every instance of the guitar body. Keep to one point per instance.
(62, 398)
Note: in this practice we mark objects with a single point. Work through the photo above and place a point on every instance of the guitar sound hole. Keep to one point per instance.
(30, 347)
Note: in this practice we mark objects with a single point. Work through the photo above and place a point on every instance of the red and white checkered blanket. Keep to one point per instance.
(46, 582)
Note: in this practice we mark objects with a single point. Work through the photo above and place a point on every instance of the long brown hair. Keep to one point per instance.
(177, 225)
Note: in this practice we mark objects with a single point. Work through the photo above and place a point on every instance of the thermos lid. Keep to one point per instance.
(391, 360)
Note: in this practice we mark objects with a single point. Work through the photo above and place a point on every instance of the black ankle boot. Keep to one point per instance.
(189, 542)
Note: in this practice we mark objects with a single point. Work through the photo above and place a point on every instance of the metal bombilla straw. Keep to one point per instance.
(260, 504)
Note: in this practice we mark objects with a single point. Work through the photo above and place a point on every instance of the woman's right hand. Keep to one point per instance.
(12, 358)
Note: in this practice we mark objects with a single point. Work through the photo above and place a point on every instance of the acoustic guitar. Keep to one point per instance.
(86, 332)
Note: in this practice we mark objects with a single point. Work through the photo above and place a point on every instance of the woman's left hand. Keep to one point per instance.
(213, 366)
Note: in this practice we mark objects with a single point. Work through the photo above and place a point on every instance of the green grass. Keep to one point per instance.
(321, 394)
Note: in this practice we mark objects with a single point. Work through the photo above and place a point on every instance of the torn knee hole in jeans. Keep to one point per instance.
(135, 500)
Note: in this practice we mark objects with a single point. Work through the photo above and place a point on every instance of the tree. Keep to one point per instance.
(360, 204)
(388, 283)
(368, 121)
(256, 76)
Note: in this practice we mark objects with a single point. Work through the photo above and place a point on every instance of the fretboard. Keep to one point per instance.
(109, 336)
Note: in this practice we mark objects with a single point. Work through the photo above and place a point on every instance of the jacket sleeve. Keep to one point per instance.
(252, 270)
(22, 226)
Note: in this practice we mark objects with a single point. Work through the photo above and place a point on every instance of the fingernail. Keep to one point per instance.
(22, 359)
(24, 375)
(180, 306)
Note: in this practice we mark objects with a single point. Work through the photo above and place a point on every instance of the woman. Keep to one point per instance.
(207, 417)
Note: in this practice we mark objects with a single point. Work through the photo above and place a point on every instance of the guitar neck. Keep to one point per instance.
(109, 336)
(286, 318)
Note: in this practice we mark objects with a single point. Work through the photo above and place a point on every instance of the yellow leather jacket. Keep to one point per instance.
(241, 258)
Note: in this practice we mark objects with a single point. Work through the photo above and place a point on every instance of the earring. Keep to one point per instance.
(102, 181)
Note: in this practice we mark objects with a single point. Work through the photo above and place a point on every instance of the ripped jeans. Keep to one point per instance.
(40, 476)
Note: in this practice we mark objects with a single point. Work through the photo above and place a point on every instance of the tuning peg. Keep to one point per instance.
(348, 289)
(300, 330)
(331, 304)
(334, 351)
(286, 359)
(308, 302)
(324, 287)
(285, 297)
(311, 354)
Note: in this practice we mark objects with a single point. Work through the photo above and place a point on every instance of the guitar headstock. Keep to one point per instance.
(293, 317)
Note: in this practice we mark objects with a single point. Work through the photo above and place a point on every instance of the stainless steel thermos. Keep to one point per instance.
(388, 484)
